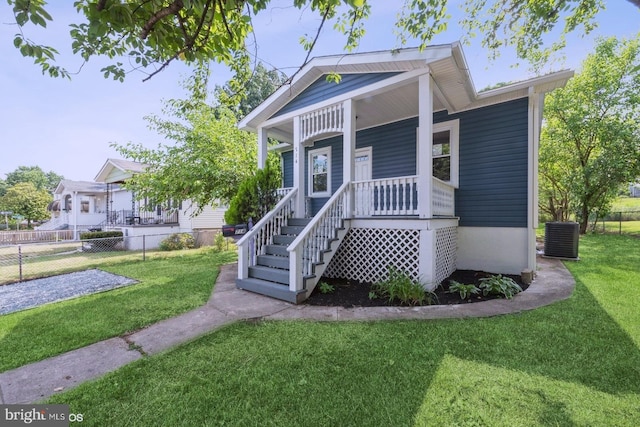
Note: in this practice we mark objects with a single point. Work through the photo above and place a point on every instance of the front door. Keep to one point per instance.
(363, 164)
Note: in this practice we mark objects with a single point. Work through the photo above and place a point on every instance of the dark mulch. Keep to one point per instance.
(350, 293)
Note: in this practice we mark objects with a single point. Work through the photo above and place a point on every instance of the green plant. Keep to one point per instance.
(255, 198)
(326, 288)
(178, 241)
(219, 242)
(465, 291)
(100, 235)
(499, 285)
(399, 286)
(373, 295)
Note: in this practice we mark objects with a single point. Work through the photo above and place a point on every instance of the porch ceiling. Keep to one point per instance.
(374, 110)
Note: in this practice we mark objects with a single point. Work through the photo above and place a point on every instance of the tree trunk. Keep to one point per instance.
(584, 219)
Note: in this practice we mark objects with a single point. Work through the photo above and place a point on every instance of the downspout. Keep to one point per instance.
(536, 106)
(74, 206)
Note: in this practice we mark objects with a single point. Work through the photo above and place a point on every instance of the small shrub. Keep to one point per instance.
(499, 285)
(99, 234)
(256, 196)
(219, 242)
(399, 286)
(178, 241)
(326, 288)
(465, 291)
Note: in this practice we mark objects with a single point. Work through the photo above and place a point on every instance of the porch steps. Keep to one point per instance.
(270, 275)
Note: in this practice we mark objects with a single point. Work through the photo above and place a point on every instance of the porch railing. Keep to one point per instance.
(398, 196)
(128, 217)
(388, 196)
(253, 243)
(307, 248)
(324, 120)
(442, 198)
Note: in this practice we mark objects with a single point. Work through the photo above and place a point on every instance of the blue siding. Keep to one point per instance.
(321, 89)
(287, 169)
(493, 161)
(493, 165)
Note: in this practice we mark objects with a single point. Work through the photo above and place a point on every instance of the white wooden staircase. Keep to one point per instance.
(284, 257)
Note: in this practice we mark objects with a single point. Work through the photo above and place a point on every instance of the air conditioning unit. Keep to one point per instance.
(561, 240)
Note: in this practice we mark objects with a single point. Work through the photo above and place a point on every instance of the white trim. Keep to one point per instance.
(453, 126)
(319, 151)
(372, 89)
(365, 151)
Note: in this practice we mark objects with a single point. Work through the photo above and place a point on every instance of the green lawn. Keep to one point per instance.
(576, 362)
(170, 284)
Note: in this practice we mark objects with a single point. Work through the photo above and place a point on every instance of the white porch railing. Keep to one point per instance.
(399, 196)
(323, 120)
(442, 198)
(283, 191)
(253, 243)
(388, 196)
(307, 248)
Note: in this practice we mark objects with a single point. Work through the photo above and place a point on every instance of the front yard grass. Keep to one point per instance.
(576, 362)
(170, 284)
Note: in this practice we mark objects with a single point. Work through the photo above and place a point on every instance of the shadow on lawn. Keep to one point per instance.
(374, 373)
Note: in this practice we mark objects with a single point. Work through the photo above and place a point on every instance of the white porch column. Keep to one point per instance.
(425, 145)
(298, 169)
(349, 149)
(262, 147)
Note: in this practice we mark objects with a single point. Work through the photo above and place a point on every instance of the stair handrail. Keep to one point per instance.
(306, 249)
(262, 233)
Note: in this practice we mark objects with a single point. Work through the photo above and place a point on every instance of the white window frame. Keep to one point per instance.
(453, 126)
(312, 153)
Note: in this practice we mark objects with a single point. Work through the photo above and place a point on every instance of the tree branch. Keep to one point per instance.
(172, 9)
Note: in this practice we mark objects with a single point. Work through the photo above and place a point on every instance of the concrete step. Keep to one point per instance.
(270, 289)
(274, 261)
(269, 274)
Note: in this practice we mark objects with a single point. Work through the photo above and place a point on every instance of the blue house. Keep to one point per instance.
(402, 163)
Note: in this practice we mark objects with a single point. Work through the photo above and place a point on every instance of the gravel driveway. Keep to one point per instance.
(32, 293)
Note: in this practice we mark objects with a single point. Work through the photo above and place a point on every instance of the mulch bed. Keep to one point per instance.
(350, 293)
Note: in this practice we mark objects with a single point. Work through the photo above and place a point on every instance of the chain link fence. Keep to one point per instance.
(620, 222)
(31, 260)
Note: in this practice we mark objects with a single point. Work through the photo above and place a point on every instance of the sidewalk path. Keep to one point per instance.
(39, 380)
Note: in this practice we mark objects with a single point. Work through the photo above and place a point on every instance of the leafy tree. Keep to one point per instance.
(26, 200)
(208, 156)
(590, 144)
(153, 33)
(261, 84)
(35, 175)
(255, 197)
(3, 187)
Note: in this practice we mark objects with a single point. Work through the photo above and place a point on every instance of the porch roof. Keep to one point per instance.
(453, 89)
(118, 170)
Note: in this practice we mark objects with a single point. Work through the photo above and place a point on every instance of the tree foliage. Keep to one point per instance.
(35, 175)
(207, 157)
(256, 196)
(26, 200)
(153, 33)
(590, 144)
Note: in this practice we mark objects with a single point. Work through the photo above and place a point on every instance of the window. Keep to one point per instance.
(84, 206)
(444, 151)
(441, 152)
(320, 172)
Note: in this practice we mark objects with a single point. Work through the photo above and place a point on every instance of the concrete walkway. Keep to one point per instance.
(39, 380)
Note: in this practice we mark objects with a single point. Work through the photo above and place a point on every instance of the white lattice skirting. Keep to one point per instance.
(366, 254)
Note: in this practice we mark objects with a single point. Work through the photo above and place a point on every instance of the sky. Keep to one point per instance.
(66, 126)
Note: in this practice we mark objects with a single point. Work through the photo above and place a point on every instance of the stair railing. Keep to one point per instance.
(307, 248)
(253, 243)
